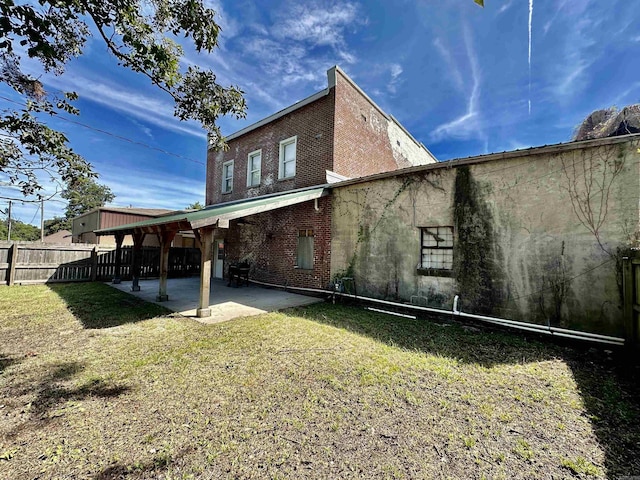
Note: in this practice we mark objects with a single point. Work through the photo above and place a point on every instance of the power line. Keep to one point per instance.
(119, 137)
(34, 215)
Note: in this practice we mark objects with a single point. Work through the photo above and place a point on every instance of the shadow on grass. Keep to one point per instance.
(52, 396)
(608, 380)
(7, 361)
(97, 305)
(156, 464)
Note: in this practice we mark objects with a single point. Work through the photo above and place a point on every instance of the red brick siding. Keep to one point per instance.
(361, 140)
(312, 124)
(268, 241)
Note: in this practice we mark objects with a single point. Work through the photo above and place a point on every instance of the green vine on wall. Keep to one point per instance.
(474, 250)
(364, 232)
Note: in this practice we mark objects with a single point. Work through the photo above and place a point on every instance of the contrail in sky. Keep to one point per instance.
(530, 21)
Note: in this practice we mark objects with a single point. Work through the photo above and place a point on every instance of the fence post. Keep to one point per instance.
(12, 265)
(94, 264)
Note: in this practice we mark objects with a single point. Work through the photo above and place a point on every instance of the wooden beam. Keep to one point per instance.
(165, 239)
(94, 264)
(117, 273)
(138, 238)
(206, 252)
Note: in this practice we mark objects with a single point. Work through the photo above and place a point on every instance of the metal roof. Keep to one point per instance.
(218, 215)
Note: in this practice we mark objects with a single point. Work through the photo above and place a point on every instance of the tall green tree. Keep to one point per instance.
(56, 224)
(195, 206)
(140, 34)
(85, 194)
(20, 231)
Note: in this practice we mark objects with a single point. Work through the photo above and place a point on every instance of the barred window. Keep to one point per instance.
(304, 254)
(437, 248)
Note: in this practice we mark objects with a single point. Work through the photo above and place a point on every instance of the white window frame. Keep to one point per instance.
(250, 172)
(225, 169)
(291, 140)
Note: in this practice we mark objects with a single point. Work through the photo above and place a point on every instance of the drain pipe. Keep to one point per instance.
(544, 329)
(503, 322)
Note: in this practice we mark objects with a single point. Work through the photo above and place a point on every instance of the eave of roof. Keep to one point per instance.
(522, 153)
(220, 214)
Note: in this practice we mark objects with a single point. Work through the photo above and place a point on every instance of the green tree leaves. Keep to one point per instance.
(141, 35)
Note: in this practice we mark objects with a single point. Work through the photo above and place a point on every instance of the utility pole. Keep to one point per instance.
(42, 220)
(9, 224)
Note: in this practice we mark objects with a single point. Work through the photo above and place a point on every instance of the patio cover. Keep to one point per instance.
(216, 215)
(203, 223)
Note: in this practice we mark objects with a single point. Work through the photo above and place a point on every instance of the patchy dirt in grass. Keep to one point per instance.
(325, 391)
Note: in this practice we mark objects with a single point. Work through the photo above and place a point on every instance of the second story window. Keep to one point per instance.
(287, 167)
(227, 176)
(254, 166)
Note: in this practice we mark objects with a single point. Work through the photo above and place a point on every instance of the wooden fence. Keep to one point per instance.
(31, 262)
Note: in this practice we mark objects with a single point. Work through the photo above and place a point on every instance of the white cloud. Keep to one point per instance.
(559, 6)
(452, 66)
(303, 41)
(135, 104)
(578, 57)
(467, 125)
(395, 70)
(289, 63)
(317, 24)
(229, 27)
(158, 190)
(505, 7)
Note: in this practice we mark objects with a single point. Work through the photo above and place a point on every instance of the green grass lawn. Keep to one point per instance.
(97, 384)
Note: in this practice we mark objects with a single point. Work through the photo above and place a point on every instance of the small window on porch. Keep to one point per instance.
(304, 254)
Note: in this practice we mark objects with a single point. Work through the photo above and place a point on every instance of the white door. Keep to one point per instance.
(218, 258)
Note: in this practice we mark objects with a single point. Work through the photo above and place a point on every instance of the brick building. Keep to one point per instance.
(334, 134)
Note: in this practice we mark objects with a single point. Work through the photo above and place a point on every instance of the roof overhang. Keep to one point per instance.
(217, 215)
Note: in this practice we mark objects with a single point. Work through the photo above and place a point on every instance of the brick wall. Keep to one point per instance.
(312, 124)
(363, 144)
(268, 241)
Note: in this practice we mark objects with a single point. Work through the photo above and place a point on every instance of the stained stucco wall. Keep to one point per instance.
(536, 237)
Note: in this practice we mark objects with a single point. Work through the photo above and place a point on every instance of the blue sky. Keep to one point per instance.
(462, 79)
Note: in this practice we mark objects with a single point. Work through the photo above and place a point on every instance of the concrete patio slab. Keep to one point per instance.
(226, 303)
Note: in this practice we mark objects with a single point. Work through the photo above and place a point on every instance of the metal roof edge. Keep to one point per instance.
(182, 216)
(268, 195)
(544, 149)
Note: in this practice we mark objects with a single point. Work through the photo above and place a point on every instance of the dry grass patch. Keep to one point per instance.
(94, 384)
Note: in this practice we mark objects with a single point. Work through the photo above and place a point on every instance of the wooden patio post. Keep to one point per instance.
(206, 244)
(165, 238)
(94, 264)
(138, 238)
(117, 273)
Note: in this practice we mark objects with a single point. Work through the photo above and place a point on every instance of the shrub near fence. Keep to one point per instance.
(34, 262)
